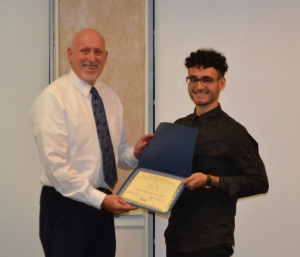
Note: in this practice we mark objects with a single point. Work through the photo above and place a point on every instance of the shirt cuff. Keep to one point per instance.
(96, 198)
(131, 158)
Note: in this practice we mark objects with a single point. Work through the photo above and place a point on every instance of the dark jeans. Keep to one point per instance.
(70, 228)
(222, 250)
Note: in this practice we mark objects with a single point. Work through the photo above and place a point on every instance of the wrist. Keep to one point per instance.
(212, 181)
(215, 181)
(208, 183)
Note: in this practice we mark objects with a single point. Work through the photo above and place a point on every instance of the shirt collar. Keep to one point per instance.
(82, 86)
(206, 116)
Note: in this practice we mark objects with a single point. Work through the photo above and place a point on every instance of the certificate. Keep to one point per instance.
(152, 191)
(156, 183)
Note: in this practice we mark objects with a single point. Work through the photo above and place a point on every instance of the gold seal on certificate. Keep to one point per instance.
(152, 191)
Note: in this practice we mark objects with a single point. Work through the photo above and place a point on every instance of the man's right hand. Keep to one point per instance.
(116, 205)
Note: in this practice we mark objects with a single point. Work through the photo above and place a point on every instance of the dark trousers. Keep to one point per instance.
(70, 228)
(222, 250)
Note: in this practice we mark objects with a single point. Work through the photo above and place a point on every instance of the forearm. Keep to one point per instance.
(248, 174)
(215, 181)
(235, 186)
(126, 158)
(244, 186)
(60, 174)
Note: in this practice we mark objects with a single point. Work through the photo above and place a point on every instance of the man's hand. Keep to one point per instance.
(196, 180)
(140, 145)
(116, 205)
(199, 179)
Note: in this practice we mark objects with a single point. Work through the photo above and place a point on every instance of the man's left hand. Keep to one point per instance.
(140, 145)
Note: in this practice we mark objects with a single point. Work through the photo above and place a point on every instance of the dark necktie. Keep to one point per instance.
(108, 156)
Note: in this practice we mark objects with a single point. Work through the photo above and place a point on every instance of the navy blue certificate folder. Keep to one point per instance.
(168, 154)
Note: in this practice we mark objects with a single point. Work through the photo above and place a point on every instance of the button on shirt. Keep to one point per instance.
(67, 140)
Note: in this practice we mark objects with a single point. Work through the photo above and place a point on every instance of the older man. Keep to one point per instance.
(78, 128)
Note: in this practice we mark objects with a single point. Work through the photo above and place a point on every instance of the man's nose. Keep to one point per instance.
(199, 85)
(92, 56)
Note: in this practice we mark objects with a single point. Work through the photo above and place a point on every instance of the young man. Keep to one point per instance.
(78, 128)
(226, 167)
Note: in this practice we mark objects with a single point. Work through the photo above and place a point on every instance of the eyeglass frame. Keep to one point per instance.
(213, 80)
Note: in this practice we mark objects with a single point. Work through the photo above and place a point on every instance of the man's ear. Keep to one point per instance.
(70, 54)
(222, 83)
(106, 53)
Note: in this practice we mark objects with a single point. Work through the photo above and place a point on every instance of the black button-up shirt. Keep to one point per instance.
(205, 217)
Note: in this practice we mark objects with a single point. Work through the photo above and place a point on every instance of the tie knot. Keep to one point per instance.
(94, 91)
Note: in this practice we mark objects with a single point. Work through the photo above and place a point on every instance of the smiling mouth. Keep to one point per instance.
(88, 66)
(201, 93)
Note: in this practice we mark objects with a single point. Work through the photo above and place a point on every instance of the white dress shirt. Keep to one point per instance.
(67, 140)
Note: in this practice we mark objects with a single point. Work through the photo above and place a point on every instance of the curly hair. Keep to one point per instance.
(207, 58)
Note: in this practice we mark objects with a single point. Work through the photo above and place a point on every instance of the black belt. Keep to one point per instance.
(104, 190)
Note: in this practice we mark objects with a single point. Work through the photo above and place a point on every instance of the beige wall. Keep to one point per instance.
(122, 23)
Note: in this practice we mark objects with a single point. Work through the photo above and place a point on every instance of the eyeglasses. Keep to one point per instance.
(205, 81)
